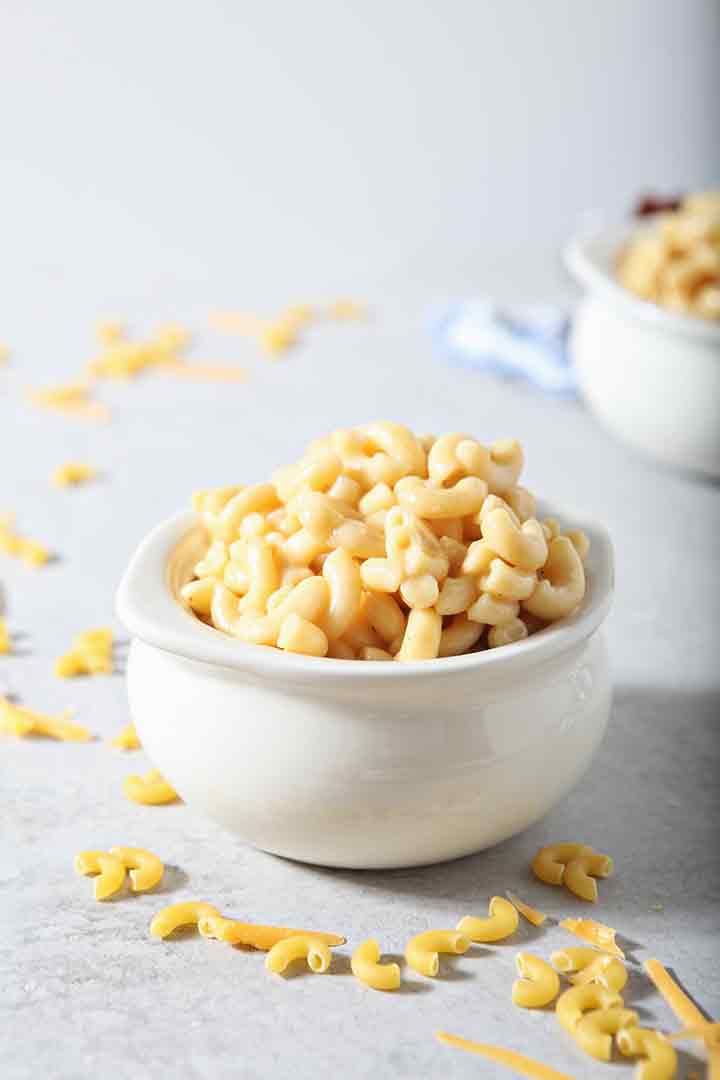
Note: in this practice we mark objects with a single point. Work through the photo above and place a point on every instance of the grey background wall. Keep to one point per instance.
(231, 147)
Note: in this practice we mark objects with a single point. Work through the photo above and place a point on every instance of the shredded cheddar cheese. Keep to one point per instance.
(255, 936)
(127, 739)
(684, 1008)
(72, 399)
(594, 933)
(29, 551)
(207, 372)
(91, 654)
(74, 472)
(236, 322)
(537, 918)
(526, 1066)
(15, 720)
(5, 645)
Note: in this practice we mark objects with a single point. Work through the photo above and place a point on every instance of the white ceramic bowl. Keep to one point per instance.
(354, 764)
(650, 375)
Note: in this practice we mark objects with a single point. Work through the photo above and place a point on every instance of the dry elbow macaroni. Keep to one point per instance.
(151, 790)
(74, 472)
(91, 654)
(422, 951)
(17, 720)
(127, 739)
(11, 543)
(674, 260)
(301, 947)
(501, 922)
(146, 869)
(573, 865)
(380, 545)
(366, 966)
(538, 984)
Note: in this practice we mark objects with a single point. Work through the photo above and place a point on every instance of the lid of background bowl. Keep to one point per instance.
(591, 257)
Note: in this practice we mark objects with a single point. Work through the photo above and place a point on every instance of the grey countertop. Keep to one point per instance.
(85, 991)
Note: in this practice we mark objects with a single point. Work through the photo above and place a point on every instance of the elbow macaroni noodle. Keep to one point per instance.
(146, 870)
(501, 923)
(661, 1059)
(91, 654)
(573, 865)
(379, 545)
(538, 984)
(151, 790)
(301, 947)
(422, 951)
(366, 966)
(594, 1032)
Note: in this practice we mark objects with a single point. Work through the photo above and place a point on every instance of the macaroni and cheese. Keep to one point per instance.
(674, 261)
(381, 545)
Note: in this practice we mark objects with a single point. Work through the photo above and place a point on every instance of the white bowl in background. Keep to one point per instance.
(650, 375)
(360, 764)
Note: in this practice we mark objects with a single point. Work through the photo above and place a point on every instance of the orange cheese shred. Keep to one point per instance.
(256, 936)
(594, 933)
(206, 372)
(526, 1066)
(537, 918)
(684, 1008)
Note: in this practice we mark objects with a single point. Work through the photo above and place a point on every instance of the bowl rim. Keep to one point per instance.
(148, 609)
(587, 257)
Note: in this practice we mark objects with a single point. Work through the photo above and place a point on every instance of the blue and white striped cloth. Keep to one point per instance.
(525, 341)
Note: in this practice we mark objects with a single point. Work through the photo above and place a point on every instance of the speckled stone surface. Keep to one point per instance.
(84, 990)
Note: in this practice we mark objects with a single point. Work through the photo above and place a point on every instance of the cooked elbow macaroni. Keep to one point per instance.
(366, 966)
(380, 545)
(674, 260)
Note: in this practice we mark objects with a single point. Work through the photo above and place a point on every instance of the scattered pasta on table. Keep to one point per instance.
(91, 654)
(150, 790)
(17, 720)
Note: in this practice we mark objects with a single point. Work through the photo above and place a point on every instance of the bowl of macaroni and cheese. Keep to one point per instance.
(645, 339)
(386, 655)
